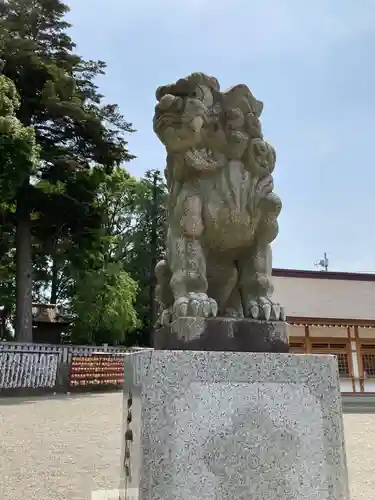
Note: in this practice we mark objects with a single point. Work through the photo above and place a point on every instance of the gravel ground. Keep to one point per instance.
(59, 448)
(360, 451)
(63, 448)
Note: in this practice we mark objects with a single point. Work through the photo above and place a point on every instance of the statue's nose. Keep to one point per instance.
(170, 101)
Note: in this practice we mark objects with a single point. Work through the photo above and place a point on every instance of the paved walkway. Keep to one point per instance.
(68, 448)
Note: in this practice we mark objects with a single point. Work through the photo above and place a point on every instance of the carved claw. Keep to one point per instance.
(205, 305)
(266, 311)
(282, 314)
(264, 308)
(206, 309)
(180, 307)
(275, 312)
(213, 306)
(166, 317)
(254, 311)
(183, 309)
(196, 305)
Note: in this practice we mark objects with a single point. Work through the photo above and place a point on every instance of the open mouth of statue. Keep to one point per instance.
(168, 120)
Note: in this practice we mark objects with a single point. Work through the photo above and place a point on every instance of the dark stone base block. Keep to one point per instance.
(223, 334)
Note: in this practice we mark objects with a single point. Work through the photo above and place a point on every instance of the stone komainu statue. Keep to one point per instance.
(222, 211)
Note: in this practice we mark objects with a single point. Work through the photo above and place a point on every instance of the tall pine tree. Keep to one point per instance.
(18, 161)
(75, 132)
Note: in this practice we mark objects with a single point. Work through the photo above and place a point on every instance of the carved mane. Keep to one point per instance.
(236, 110)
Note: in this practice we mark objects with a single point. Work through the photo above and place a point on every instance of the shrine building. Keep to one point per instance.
(332, 312)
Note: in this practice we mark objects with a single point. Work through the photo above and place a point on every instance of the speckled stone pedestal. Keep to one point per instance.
(232, 426)
(223, 334)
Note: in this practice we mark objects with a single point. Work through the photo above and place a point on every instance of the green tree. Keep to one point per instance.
(118, 201)
(103, 305)
(134, 236)
(67, 242)
(18, 149)
(18, 161)
(146, 247)
(7, 274)
(80, 138)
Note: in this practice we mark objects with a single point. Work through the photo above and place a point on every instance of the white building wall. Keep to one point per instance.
(346, 385)
(326, 298)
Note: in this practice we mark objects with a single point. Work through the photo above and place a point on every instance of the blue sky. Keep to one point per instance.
(311, 63)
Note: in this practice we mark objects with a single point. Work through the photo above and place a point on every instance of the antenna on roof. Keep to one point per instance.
(323, 263)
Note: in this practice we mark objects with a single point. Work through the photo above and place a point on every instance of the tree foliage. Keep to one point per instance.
(134, 237)
(80, 138)
(18, 149)
(147, 243)
(103, 304)
(75, 227)
(117, 199)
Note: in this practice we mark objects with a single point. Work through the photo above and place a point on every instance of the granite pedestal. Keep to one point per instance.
(223, 334)
(232, 426)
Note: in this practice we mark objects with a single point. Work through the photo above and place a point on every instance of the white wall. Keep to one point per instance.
(346, 385)
(326, 298)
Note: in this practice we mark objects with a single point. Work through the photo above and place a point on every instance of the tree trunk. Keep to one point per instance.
(2, 328)
(54, 283)
(24, 332)
(154, 236)
(3, 323)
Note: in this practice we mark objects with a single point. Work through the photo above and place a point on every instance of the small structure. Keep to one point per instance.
(49, 323)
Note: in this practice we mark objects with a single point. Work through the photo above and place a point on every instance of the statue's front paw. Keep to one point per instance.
(165, 318)
(264, 308)
(196, 305)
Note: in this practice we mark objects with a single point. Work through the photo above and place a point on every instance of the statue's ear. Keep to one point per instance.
(241, 97)
(182, 87)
